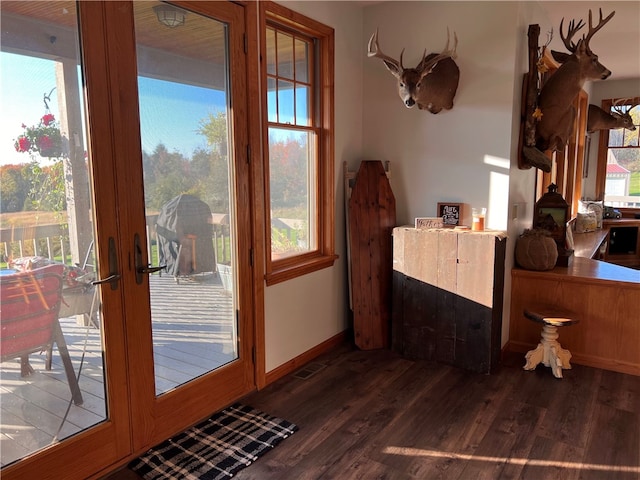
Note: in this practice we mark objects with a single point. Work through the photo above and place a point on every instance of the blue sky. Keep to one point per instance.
(169, 113)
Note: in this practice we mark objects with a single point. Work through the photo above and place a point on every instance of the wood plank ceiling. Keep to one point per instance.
(149, 31)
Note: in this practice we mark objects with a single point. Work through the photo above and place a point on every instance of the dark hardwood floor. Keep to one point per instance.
(375, 415)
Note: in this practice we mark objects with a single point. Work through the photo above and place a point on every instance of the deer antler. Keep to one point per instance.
(601, 23)
(618, 105)
(427, 66)
(374, 50)
(573, 28)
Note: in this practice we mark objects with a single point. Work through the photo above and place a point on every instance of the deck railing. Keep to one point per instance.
(52, 241)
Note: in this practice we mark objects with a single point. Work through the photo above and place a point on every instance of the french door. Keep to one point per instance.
(166, 132)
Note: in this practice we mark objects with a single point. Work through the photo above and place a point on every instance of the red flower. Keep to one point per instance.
(47, 118)
(23, 144)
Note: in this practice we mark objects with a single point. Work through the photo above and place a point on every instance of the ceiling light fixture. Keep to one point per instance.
(169, 15)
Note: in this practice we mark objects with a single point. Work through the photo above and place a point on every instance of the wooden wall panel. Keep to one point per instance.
(608, 334)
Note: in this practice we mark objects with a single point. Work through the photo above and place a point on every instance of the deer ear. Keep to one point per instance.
(560, 57)
(392, 67)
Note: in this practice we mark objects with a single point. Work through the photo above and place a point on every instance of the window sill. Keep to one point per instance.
(628, 212)
(287, 272)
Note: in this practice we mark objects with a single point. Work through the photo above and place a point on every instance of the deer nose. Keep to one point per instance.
(606, 74)
(410, 102)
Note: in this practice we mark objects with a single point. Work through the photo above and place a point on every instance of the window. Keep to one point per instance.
(297, 96)
(618, 178)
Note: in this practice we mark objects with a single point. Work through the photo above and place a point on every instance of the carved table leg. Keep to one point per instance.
(534, 357)
(554, 362)
(549, 352)
(565, 356)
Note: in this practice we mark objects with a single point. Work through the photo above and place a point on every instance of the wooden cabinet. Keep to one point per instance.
(624, 242)
(447, 296)
(605, 298)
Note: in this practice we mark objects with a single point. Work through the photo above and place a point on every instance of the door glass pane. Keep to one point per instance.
(49, 308)
(188, 170)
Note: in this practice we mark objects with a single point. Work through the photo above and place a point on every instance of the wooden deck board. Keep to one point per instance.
(193, 333)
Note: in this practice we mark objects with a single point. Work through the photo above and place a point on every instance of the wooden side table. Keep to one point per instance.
(549, 352)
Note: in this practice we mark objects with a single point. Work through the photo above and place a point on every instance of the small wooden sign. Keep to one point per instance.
(450, 213)
(428, 222)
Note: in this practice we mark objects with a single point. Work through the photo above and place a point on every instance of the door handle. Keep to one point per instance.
(149, 270)
(113, 276)
(142, 268)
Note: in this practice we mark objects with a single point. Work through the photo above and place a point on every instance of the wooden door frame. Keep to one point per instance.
(157, 418)
(105, 43)
(107, 442)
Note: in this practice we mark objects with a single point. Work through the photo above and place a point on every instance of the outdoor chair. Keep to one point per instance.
(29, 307)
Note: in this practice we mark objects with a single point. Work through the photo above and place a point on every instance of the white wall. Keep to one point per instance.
(303, 312)
(459, 155)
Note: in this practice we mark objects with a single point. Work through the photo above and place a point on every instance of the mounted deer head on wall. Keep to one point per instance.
(432, 84)
(557, 95)
(600, 119)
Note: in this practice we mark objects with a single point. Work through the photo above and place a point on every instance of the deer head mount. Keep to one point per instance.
(600, 119)
(432, 84)
(557, 95)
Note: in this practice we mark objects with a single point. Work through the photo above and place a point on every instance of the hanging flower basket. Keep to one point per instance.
(43, 139)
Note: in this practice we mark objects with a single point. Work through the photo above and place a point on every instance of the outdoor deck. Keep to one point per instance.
(193, 333)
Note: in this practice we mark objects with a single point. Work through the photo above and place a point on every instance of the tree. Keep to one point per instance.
(166, 175)
(288, 172)
(214, 186)
(14, 189)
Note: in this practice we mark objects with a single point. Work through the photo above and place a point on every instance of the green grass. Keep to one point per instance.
(634, 184)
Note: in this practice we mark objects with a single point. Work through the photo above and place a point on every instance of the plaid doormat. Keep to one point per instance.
(216, 448)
